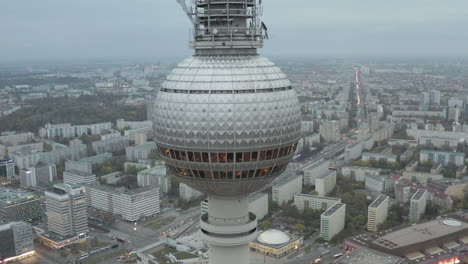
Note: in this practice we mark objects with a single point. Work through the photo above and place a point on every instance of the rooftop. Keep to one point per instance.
(318, 197)
(333, 209)
(13, 196)
(418, 194)
(119, 190)
(420, 233)
(377, 202)
(368, 256)
(323, 176)
(286, 180)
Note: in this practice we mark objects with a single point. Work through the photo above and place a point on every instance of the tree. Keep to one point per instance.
(265, 225)
(299, 228)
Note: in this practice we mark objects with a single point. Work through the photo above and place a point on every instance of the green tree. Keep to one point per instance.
(265, 225)
(299, 228)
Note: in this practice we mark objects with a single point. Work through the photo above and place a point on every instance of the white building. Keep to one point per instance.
(359, 173)
(156, 176)
(112, 144)
(353, 151)
(418, 205)
(366, 156)
(68, 131)
(441, 142)
(332, 221)
(330, 131)
(140, 152)
(377, 213)
(442, 157)
(324, 184)
(187, 193)
(13, 139)
(42, 175)
(130, 204)
(380, 184)
(67, 210)
(284, 190)
(307, 201)
(314, 170)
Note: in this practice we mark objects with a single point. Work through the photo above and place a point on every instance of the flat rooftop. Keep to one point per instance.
(333, 209)
(286, 180)
(318, 197)
(10, 196)
(368, 256)
(377, 202)
(323, 176)
(420, 233)
(418, 194)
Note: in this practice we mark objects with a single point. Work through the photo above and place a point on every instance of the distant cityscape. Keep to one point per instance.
(379, 174)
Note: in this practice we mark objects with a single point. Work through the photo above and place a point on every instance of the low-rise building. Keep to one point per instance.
(19, 205)
(284, 190)
(275, 243)
(377, 213)
(304, 201)
(332, 221)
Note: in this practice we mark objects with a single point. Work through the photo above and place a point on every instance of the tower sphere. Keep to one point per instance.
(227, 120)
(227, 125)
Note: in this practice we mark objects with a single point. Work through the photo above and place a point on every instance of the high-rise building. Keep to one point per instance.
(227, 121)
(19, 205)
(418, 205)
(330, 131)
(16, 241)
(377, 213)
(187, 193)
(434, 97)
(324, 184)
(67, 210)
(284, 190)
(154, 177)
(332, 221)
(40, 175)
(7, 169)
(424, 101)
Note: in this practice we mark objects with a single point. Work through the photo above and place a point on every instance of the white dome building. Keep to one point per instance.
(275, 243)
(227, 121)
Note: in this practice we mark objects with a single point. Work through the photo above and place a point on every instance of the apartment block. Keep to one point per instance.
(377, 213)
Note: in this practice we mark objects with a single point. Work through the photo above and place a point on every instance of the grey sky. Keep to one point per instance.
(67, 29)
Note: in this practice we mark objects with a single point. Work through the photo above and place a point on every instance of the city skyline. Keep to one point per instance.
(51, 30)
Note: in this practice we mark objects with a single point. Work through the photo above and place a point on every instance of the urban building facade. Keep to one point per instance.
(418, 205)
(39, 175)
(324, 184)
(377, 213)
(130, 204)
(307, 201)
(7, 169)
(67, 213)
(16, 241)
(332, 221)
(442, 157)
(284, 190)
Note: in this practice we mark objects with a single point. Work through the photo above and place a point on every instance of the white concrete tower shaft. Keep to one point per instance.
(228, 227)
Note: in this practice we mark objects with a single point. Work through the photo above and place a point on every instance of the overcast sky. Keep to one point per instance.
(68, 29)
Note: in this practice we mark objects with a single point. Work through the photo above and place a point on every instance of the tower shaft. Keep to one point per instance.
(228, 227)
